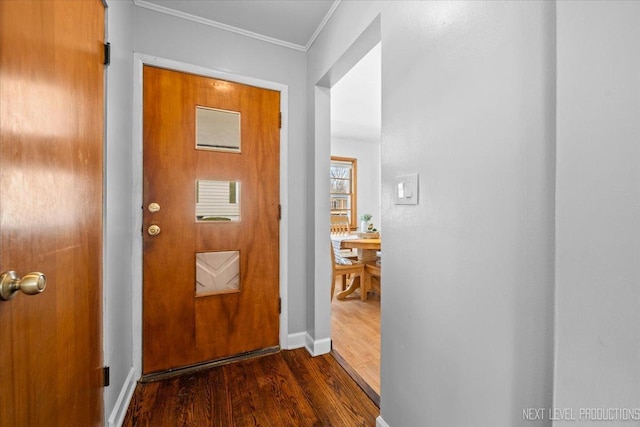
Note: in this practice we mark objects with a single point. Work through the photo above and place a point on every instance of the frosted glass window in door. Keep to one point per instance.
(217, 201)
(217, 130)
(217, 272)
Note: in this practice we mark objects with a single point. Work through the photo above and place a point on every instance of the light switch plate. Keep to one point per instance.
(406, 189)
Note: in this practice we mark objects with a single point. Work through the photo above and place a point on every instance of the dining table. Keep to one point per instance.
(366, 248)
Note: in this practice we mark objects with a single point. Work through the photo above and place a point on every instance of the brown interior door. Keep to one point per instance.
(51, 145)
(211, 273)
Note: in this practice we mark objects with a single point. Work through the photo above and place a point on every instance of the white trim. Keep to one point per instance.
(322, 24)
(124, 398)
(139, 60)
(216, 24)
(296, 341)
(232, 29)
(317, 347)
(106, 328)
(380, 422)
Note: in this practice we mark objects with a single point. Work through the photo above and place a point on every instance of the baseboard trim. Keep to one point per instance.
(297, 340)
(124, 398)
(317, 347)
(380, 422)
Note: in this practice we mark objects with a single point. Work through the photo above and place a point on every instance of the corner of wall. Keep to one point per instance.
(297, 340)
(116, 418)
(317, 347)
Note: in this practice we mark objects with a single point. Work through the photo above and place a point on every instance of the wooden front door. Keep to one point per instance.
(210, 219)
(51, 150)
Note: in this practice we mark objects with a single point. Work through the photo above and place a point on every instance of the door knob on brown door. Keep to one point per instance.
(153, 230)
(30, 284)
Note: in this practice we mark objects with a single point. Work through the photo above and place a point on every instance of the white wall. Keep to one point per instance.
(368, 178)
(118, 351)
(598, 208)
(468, 103)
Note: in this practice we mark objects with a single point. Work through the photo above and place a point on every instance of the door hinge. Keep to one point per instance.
(105, 376)
(279, 212)
(279, 305)
(107, 53)
(280, 120)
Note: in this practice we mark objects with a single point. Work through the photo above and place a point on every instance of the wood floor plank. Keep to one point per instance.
(286, 389)
(355, 336)
(217, 398)
(340, 401)
(176, 407)
(246, 402)
(191, 404)
(140, 409)
(201, 396)
(286, 399)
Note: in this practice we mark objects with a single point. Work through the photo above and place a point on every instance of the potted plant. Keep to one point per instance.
(364, 222)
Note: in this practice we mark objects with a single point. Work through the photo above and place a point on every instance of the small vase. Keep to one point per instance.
(364, 226)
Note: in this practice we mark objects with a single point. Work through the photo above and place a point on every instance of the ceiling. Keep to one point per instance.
(355, 99)
(294, 24)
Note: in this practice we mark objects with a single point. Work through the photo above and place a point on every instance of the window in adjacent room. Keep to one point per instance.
(343, 187)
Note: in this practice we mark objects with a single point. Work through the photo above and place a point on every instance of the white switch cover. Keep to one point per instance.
(406, 189)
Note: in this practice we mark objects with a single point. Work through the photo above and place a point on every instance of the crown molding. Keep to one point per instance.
(322, 24)
(230, 28)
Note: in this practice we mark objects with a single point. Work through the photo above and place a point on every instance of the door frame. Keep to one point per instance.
(139, 61)
(353, 53)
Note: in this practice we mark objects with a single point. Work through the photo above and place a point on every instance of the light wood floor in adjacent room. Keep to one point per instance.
(355, 334)
(286, 389)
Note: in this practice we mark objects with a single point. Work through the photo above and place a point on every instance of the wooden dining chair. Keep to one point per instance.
(340, 226)
(371, 270)
(352, 269)
(340, 230)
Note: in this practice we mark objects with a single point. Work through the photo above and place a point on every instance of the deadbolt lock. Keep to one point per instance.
(153, 230)
(153, 207)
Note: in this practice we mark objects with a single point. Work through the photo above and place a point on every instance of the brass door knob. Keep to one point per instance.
(30, 284)
(153, 230)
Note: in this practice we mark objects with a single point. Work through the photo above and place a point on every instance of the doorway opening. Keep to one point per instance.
(355, 197)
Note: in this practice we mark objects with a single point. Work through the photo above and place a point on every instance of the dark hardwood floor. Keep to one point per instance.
(289, 388)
